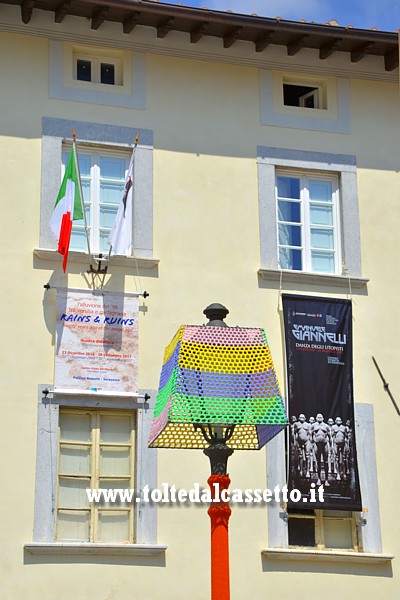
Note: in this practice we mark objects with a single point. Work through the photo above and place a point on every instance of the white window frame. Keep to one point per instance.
(95, 179)
(94, 475)
(312, 94)
(305, 224)
(343, 166)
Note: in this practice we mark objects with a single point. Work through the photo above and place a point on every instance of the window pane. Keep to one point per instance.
(113, 526)
(72, 492)
(289, 235)
(290, 259)
(104, 246)
(115, 461)
(75, 428)
(78, 240)
(111, 193)
(320, 190)
(86, 190)
(288, 187)
(115, 429)
(74, 460)
(115, 484)
(323, 262)
(289, 211)
(321, 215)
(83, 70)
(337, 513)
(322, 238)
(107, 216)
(112, 168)
(338, 533)
(84, 165)
(73, 525)
(107, 73)
(301, 532)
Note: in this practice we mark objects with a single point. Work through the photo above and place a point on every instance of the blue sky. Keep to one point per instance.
(383, 14)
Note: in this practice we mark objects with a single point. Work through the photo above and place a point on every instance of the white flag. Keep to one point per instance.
(120, 237)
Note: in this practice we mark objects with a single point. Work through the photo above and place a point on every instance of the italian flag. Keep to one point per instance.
(68, 207)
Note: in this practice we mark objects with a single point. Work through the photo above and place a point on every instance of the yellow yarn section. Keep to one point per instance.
(169, 350)
(183, 435)
(224, 359)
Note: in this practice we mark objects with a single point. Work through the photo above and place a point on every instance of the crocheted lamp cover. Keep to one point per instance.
(217, 376)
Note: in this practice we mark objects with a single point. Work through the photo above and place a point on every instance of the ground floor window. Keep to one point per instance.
(323, 529)
(95, 450)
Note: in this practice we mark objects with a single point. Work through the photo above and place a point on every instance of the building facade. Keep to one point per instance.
(267, 163)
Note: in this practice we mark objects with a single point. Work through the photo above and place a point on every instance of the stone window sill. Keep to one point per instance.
(83, 258)
(69, 548)
(325, 555)
(312, 278)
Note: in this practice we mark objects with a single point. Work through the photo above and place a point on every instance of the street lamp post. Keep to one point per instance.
(218, 391)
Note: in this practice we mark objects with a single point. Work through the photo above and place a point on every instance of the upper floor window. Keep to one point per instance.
(103, 177)
(96, 69)
(305, 96)
(308, 223)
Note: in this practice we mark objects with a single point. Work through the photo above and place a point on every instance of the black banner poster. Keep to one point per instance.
(319, 355)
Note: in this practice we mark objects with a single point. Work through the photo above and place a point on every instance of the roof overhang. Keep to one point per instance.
(228, 26)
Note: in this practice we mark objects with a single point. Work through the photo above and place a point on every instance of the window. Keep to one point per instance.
(104, 153)
(95, 450)
(323, 529)
(102, 176)
(93, 442)
(317, 530)
(301, 95)
(97, 69)
(97, 75)
(305, 101)
(308, 217)
(308, 223)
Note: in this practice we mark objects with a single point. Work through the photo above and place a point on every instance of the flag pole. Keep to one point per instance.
(80, 189)
(133, 152)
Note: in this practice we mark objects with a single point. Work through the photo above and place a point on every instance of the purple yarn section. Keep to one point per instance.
(169, 366)
(265, 433)
(227, 385)
(159, 423)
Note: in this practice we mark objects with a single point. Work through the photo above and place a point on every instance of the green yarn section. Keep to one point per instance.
(165, 393)
(233, 411)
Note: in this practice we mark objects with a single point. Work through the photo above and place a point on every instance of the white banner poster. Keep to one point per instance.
(97, 342)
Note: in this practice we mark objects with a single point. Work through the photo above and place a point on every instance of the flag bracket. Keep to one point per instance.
(99, 270)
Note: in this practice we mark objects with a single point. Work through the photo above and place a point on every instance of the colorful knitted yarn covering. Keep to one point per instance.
(219, 376)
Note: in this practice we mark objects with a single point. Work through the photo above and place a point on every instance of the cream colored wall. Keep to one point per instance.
(205, 118)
